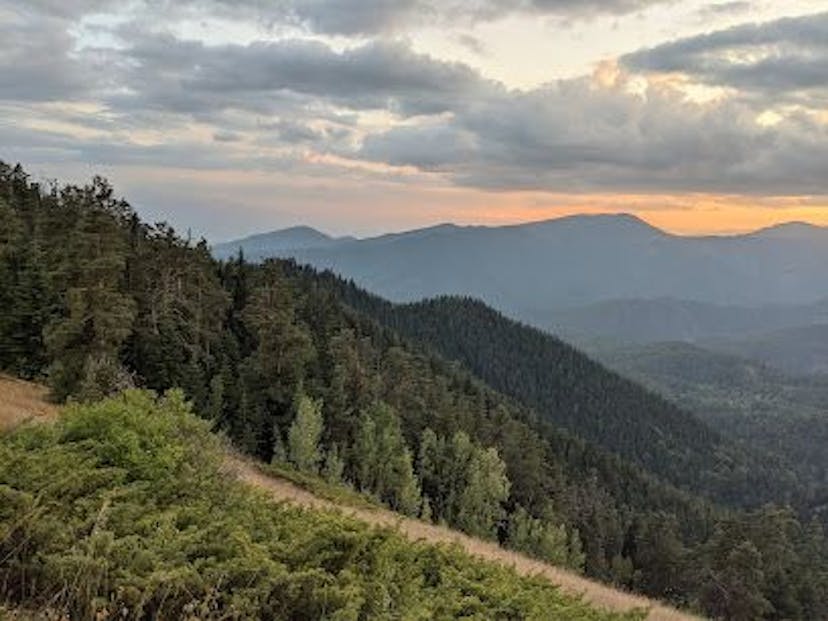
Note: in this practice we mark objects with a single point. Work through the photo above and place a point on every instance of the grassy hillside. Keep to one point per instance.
(121, 510)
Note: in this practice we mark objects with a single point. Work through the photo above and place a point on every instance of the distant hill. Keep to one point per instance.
(263, 245)
(530, 270)
(571, 391)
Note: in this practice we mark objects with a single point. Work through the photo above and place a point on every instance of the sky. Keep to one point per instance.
(227, 117)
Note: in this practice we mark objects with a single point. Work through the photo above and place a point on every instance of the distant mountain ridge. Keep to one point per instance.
(531, 269)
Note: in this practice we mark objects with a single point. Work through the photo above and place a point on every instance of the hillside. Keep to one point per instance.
(172, 535)
(795, 350)
(277, 358)
(566, 388)
(783, 415)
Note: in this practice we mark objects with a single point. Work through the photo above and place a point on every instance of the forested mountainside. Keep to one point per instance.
(98, 301)
(746, 400)
(642, 321)
(799, 350)
(571, 391)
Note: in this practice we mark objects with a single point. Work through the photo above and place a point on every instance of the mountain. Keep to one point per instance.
(571, 391)
(531, 270)
(261, 246)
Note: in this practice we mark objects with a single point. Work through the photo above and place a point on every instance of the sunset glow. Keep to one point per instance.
(365, 117)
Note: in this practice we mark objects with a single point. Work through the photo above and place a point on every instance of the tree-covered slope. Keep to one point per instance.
(570, 390)
(766, 409)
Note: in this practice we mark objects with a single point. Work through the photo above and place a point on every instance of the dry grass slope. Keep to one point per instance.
(21, 402)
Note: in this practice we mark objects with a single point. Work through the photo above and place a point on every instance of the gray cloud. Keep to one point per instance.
(789, 54)
(352, 17)
(613, 140)
(224, 136)
(724, 8)
(35, 61)
(186, 76)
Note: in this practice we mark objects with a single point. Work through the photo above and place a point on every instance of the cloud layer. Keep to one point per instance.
(129, 93)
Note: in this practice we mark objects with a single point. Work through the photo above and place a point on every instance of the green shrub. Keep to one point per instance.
(122, 510)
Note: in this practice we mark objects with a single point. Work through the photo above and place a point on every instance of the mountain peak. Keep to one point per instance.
(609, 224)
(790, 230)
(263, 245)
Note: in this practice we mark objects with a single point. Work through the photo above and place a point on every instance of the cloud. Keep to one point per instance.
(371, 17)
(223, 136)
(615, 140)
(36, 62)
(292, 103)
(189, 76)
(778, 59)
(349, 17)
(718, 9)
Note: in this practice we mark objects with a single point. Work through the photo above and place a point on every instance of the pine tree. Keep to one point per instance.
(99, 316)
(545, 539)
(304, 435)
(408, 499)
(334, 466)
(480, 507)
(383, 460)
(280, 455)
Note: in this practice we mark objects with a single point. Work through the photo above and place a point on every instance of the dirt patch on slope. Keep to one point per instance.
(23, 401)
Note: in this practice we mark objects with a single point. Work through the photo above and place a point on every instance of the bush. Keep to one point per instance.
(122, 510)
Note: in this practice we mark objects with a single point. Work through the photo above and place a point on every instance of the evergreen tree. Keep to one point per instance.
(480, 507)
(274, 371)
(334, 466)
(280, 454)
(383, 463)
(544, 539)
(305, 434)
(85, 343)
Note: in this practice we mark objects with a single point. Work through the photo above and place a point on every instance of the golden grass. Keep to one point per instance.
(23, 401)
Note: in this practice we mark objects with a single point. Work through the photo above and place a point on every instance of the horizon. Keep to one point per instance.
(436, 225)
(367, 116)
